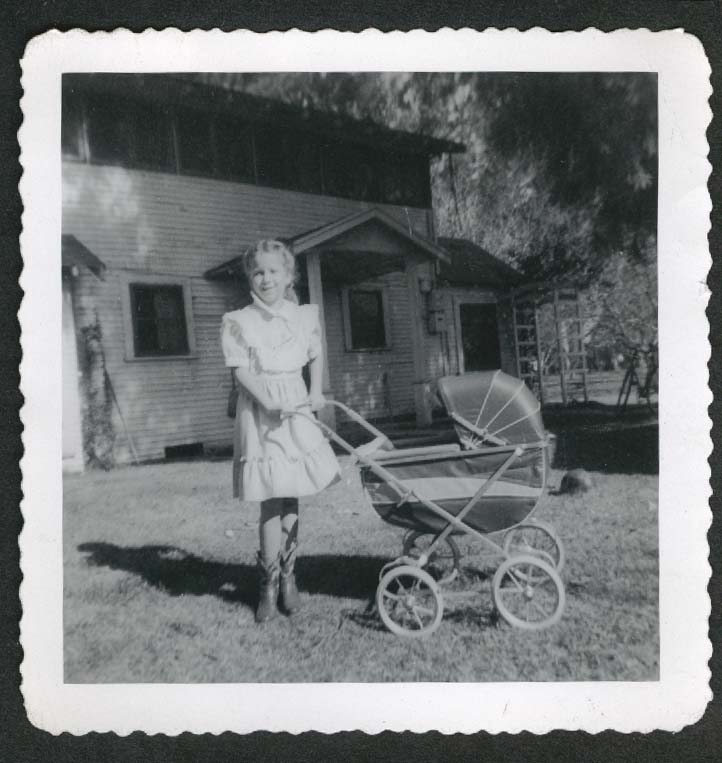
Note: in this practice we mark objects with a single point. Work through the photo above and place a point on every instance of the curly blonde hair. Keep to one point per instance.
(272, 246)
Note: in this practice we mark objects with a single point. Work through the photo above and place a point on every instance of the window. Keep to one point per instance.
(359, 172)
(72, 126)
(366, 319)
(234, 149)
(351, 171)
(288, 158)
(129, 133)
(195, 149)
(406, 180)
(157, 317)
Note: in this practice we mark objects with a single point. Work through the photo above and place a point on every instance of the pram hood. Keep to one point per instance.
(494, 402)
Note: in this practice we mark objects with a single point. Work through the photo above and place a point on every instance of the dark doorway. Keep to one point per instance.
(479, 337)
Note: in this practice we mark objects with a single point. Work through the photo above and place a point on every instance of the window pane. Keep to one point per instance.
(130, 133)
(351, 171)
(367, 319)
(151, 137)
(306, 161)
(194, 142)
(405, 180)
(287, 159)
(415, 173)
(72, 124)
(159, 324)
(270, 151)
(234, 149)
(109, 130)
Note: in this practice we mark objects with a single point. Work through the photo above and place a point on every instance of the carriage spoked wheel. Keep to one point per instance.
(444, 561)
(409, 602)
(538, 539)
(528, 592)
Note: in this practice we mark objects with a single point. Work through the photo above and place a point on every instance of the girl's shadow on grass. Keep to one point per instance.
(178, 572)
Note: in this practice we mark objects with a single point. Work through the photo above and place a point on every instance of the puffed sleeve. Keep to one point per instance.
(235, 347)
(312, 326)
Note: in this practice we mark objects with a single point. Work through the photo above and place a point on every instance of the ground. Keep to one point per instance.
(160, 586)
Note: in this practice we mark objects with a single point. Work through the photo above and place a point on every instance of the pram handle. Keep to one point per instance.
(380, 441)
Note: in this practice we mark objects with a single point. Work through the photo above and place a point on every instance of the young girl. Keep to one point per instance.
(276, 459)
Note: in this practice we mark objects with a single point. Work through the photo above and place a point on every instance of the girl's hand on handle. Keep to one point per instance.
(317, 402)
(276, 411)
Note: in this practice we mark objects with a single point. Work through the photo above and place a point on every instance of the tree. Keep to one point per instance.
(623, 303)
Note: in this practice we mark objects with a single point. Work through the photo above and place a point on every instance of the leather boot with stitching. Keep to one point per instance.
(290, 599)
(268, 590)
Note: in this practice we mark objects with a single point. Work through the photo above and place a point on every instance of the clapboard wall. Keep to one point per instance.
(178, 226)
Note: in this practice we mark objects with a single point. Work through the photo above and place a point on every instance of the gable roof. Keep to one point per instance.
(176, 89)
(325, 234)
(317, 236)
(472, 265)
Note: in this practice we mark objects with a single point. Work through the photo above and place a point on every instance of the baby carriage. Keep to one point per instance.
(488, 483)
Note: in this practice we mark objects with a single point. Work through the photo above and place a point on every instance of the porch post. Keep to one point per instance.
(315, 296)
(422, 396)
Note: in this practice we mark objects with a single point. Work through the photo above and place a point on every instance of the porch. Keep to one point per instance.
(365, 272)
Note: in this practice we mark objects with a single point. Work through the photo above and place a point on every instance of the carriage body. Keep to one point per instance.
(450, 479)
(493, 414)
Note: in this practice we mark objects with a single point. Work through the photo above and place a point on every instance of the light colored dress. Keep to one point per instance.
(275, 458)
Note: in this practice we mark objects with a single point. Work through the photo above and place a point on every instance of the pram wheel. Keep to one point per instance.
(528, 592)
(409, 602)
(444, 561)
(537, 538)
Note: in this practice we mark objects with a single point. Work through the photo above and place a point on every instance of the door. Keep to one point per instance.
(479, 337)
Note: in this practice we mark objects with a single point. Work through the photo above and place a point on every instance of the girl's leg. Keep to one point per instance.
(270, 529)
(268, 558)
(290, 600)
(289, 524)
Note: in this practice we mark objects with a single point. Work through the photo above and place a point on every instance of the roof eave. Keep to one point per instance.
(318, 236)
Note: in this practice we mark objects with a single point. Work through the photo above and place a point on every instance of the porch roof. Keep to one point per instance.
(339, 233)
(471, 265)
(76, 254)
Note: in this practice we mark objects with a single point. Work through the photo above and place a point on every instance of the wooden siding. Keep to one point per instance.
(175, 226)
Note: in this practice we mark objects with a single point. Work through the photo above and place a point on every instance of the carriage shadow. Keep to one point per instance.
(180, 573)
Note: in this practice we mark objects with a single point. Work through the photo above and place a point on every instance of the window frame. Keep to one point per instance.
(346, 314)
(130, 279)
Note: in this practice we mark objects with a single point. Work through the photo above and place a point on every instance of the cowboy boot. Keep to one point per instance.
(268, 591)
(290, 599)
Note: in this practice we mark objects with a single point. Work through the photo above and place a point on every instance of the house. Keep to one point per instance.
(166, 180)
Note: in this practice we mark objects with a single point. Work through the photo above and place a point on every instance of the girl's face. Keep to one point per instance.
(270, 278)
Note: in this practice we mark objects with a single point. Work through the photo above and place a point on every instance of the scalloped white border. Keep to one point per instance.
(681, 695)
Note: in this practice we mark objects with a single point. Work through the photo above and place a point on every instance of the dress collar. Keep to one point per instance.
(285, 310)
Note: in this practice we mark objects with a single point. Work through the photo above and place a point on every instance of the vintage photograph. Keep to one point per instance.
(365, 381)
(360, 377)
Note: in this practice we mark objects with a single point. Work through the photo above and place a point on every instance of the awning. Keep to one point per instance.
(77, 255)
(362, 245)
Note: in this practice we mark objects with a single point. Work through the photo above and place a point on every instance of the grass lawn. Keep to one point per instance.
(160, 587)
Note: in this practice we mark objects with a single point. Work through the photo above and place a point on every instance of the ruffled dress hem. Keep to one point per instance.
(258, 479)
